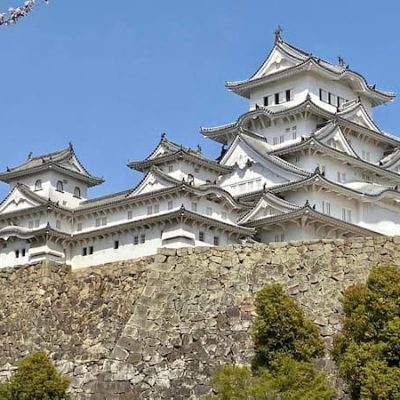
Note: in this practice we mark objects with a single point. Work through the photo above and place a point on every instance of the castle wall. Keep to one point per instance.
(157, 327)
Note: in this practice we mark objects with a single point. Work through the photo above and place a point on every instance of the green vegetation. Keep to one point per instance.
(35, 379)
(368, 349)
(286, 343)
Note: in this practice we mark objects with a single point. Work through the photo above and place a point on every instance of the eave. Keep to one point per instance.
(313, 143)
(11, 175)
(377, 97)
(180, 215)
(308, 212)
(181, 154)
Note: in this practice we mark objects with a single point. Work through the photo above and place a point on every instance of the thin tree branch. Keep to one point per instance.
(15, 14)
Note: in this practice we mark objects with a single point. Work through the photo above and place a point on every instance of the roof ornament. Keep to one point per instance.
(70, 146)
(307, 204)
(8, 169)
(163, 136)
(29, 156)
(278, 34)
(317, 170)
(265, 188)
(341, 61)
(199, 150)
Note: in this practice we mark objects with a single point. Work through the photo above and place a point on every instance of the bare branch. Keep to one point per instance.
(14, 14)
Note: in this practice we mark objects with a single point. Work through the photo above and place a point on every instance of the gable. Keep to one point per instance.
(360, 117)
(17, 200)
(152, 182)
(278, 60)
(74, 165)
(269, 205)
(337, 140)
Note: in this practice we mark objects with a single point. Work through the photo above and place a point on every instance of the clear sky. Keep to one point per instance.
(111, 76)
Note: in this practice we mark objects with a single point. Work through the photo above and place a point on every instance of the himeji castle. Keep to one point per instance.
(306, 161)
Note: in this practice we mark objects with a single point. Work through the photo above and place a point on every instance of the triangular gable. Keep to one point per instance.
(333, 136)
(392, 161)
(277, 60)
(245, 150)
(268, 206)
(73, 164)
(153, 181)
(163, 148)
(19, 199)
(359, 116)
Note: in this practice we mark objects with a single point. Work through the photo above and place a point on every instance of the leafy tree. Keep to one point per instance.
(285, 344)
(35, 379)
(287, 379)
(282, 328)
(368, 349)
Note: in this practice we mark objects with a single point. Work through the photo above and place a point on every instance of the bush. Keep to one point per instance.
(282, 328)
(368, 349)
(287, 379)
(35, 379)
(285, 343)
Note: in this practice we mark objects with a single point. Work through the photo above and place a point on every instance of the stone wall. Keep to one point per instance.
(156, 328)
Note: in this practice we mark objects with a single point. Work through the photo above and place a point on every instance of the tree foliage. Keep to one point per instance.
(282, 328)
(286, 343)
(35, 379)
(368, 349)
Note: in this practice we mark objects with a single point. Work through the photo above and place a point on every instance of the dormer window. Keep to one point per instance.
(77, 192)
(38, 185)
(60, 186)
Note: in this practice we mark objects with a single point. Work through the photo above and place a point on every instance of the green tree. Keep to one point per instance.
(282, 328)
(368, 349)
(35, 379)
(285, 343)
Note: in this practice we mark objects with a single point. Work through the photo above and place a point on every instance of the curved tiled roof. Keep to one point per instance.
(56, 161)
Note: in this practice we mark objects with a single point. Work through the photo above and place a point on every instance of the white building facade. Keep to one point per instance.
(305, 162)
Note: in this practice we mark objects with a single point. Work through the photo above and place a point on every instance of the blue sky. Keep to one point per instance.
(111, 76)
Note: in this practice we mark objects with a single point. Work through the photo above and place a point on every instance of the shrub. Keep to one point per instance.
(282, 328)
(285, 343)
(368, 349)
(35, 379)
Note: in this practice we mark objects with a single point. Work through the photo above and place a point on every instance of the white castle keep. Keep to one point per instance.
(305, 162)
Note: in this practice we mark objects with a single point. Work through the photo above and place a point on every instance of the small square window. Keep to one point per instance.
(201, 237)
(130, 214)
(23, 253)
(37, 223)
(170, 168)
(98, 222)
(275, 140)
(116, 244)
(142, 238)
(197, 170)
(170, 205)
(281, 139)
(216, 240)
(90, 249)
(104, 221)
(84, 251)
(16, 253)
(30, 224)
(58, 224)
(266, 101)
(156, 208)
(79, 227)
(276, 98)
(136, 240)
(149, 210)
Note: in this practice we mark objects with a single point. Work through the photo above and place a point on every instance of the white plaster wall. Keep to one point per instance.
(49, 184)
(182, 169)
(8, 256)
